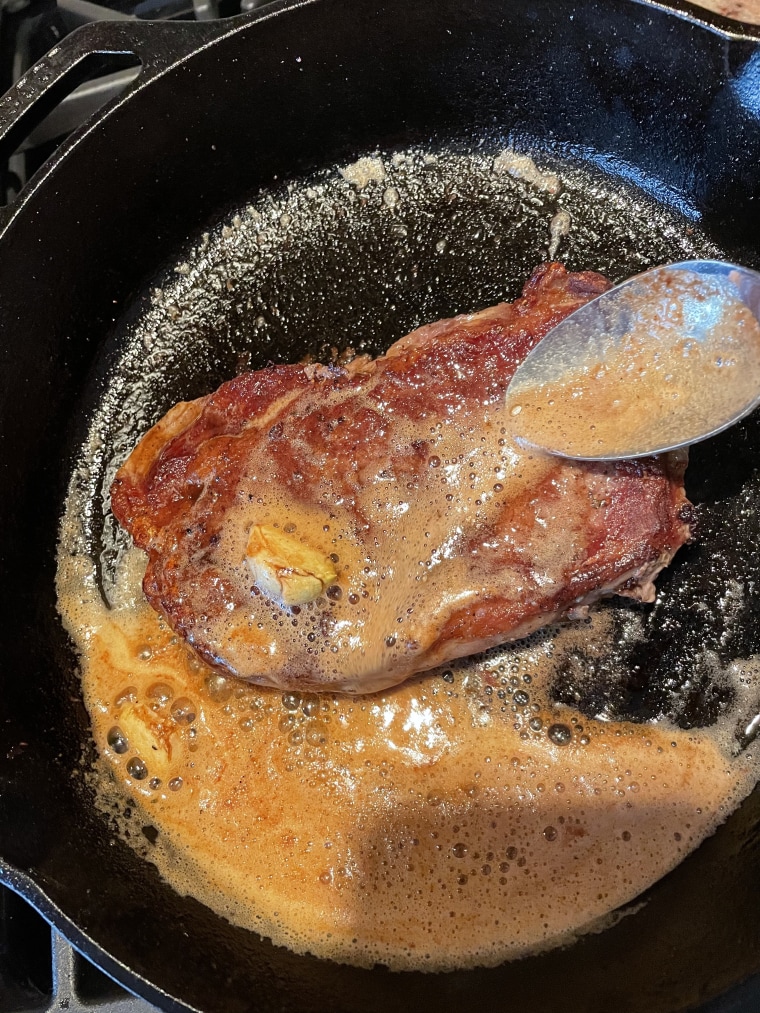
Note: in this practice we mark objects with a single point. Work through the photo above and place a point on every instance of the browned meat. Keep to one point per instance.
(347, 527)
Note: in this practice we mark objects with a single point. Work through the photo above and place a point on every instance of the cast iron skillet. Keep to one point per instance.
(653, 113)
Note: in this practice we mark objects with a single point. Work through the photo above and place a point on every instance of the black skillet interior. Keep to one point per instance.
(652, 122)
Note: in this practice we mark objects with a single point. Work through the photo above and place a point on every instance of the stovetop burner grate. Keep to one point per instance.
(40, 972)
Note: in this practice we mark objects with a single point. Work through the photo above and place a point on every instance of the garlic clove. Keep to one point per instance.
(285, 568)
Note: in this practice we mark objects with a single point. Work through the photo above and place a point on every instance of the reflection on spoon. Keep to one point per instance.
(664, 360)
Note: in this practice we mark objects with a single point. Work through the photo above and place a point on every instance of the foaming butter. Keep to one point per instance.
(627, 396)
(460, 819)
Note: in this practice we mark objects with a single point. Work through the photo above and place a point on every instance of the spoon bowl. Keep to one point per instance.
(666, 359)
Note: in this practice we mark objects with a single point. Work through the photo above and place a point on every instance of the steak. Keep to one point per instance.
(347, 526)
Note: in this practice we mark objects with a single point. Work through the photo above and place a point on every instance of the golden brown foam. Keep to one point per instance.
(402, 570)
(460, 819)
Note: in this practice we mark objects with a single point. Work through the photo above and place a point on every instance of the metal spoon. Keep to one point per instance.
(664, 360)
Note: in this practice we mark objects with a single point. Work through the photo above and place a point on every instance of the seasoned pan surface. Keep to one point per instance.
(298, 264)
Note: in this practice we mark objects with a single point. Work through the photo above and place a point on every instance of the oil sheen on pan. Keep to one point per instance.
(462, 818)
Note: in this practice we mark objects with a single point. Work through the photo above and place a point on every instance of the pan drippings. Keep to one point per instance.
(486, 810)
(461, 819)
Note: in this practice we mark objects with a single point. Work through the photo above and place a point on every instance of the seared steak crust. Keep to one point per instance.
(445, 537)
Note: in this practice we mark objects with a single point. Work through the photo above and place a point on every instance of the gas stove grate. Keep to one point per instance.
(41, 972)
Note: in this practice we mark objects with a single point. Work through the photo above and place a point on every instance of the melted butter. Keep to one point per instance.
(689, 359)
(460, 819)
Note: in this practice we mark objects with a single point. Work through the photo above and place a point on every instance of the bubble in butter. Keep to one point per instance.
(461, 819)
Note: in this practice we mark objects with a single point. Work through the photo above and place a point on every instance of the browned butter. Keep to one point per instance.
(627, 396)
(460, 819)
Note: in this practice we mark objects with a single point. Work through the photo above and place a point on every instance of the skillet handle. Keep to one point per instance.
(90, 51)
